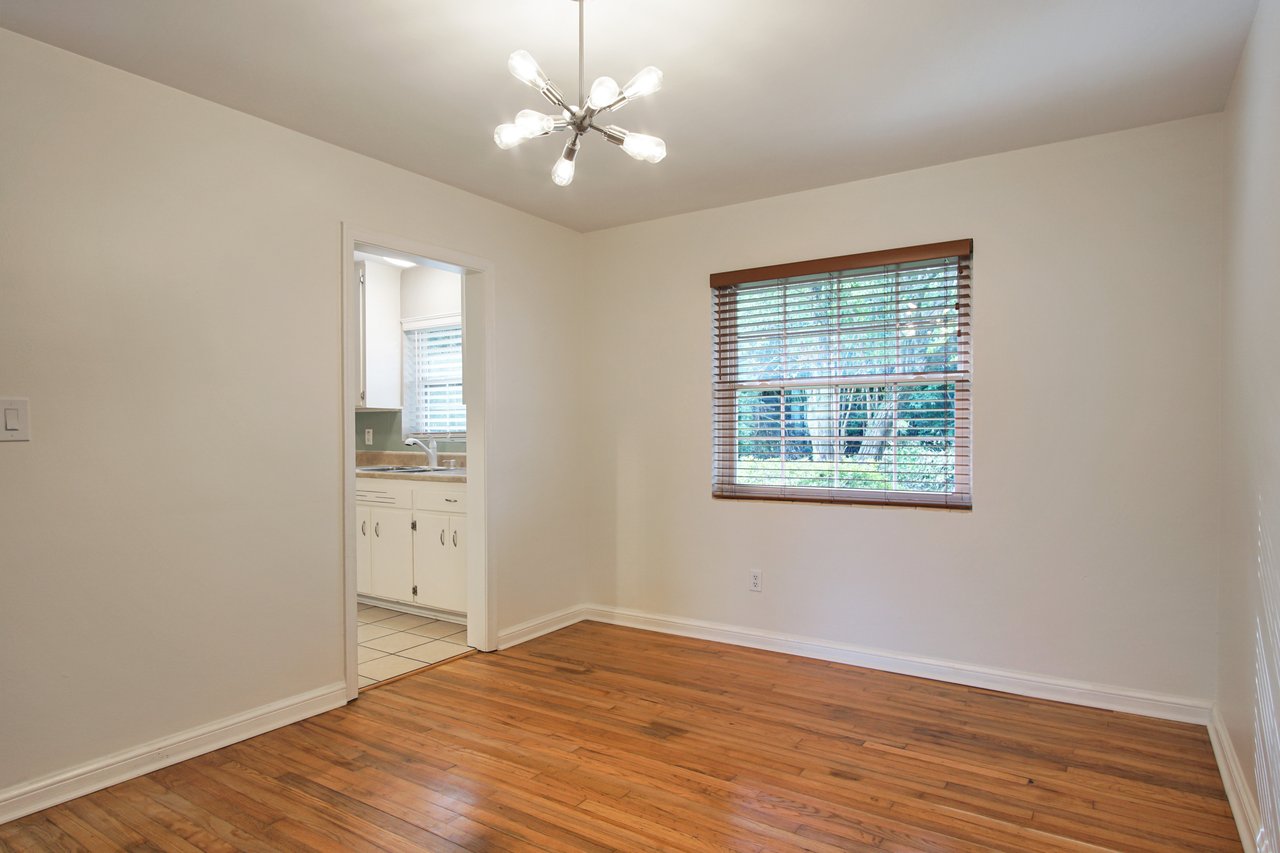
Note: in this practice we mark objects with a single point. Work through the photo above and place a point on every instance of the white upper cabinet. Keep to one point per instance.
(380, 357)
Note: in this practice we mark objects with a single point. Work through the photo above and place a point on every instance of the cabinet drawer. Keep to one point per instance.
(372, 491)
(435, 498)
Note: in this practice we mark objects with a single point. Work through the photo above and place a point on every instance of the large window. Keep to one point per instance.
(845, 379)
(433, 378)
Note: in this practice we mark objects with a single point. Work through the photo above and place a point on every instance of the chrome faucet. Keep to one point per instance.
(429, 448)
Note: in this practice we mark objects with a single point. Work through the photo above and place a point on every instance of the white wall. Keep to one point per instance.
(172, 263)
(1250, 594)
(1091, 551)
(429, 292)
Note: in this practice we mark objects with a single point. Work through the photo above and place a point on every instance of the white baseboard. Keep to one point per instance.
(1093, 695)
(27, 797)
(1244, 805)
(414, 609)
(526, 631)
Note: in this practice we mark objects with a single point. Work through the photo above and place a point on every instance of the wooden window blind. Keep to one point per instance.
(845, 380)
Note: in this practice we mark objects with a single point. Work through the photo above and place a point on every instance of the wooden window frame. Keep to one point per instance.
(725, 349)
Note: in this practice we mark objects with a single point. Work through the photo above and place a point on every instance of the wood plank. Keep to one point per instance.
(599, 738)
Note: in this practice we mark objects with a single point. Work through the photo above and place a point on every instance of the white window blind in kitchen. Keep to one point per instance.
(433, 378)
(845, 380)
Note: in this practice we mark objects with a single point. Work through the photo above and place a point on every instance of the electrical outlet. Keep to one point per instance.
(368, 437)
(757, 581)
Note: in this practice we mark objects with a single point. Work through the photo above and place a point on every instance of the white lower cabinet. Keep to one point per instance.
(411, 542)
(440, 560)
(393, 554)
(364, 549)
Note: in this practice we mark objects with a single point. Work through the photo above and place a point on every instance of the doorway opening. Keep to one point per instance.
(414, 503)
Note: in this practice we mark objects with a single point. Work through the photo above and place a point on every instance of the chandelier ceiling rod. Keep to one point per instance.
(582, 53)
(605, 96)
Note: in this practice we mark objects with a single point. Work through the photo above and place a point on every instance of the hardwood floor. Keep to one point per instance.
(605, 738)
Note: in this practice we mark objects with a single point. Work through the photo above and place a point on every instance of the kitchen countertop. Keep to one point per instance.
(453, 475)
(413, 457)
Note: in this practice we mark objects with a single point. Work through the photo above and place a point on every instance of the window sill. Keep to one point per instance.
(869, 501)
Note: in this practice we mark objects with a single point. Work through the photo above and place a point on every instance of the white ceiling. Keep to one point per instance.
(762, 97)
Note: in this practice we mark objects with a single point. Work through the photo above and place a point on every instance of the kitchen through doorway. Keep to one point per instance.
(411, 497)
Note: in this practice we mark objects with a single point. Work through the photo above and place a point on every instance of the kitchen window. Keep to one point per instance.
(433, 378)
(845, 380)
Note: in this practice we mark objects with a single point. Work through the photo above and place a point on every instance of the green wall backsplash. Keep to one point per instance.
(386, 433)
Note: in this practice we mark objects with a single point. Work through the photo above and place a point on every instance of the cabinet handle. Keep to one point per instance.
(364, 528)
(455, 539)
(442, 536)
(376, 529)
(451, 500)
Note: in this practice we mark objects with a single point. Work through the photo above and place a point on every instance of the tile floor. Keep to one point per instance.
(393, 643)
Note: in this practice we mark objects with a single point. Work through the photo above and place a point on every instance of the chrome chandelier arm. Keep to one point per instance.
(552, 94)
(611, 132)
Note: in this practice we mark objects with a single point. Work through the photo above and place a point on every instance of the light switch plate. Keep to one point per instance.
(15, 421)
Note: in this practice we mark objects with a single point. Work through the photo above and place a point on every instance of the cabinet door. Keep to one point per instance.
(364, 550)
(456, 573)
(381, 317)
(433, 556)
(392, 554)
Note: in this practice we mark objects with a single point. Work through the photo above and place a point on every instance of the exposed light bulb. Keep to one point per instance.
(562, 172)
(641, 146)
(603, 92)
(533, 123)
(525, 68)
(397, 262)
(648, 81)
(509, 136)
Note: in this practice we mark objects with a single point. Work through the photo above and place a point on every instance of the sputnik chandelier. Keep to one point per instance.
(605, 96)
